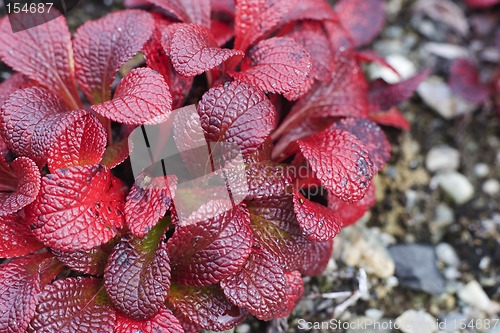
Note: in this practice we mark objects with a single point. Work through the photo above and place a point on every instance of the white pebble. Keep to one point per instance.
(412, 321)
(473, 294)
(456, 185)
(446, 253)
(481, 170)
(442, 158)
(491, 187)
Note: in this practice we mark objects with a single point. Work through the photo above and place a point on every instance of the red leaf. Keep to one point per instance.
(464, 81)
(28, 119)
(279, 65)
(313, 256)
(142, 97)
(19, 184)
(267, 180)
(383, 95)
(370, 56)
(371, 136)
(237, 113)
(350, 213)
(318, 223)
(74, 305)
(115, 154)
(90, 262)
(222, 32)
(189, 11)
(255, 18)
(482, 3)
(391, 117)
(147, 202)
(319, 10)
(163, 322)
(341, 162)
(78, 140)
(102, 46)
(259, 286)
(16, 81)
(294, 289)
(137, 276)
(20, 281)
(193, 50)
(42, 52)
(312, 36)
(362, 28)
(16, 239)
(206, 306)
(78, 208)
(344, 96)
(209, 251)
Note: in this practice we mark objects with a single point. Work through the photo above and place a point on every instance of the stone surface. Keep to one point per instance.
(412, 321)
(446, 253)
(456, 186)
(491, 186)
(441, 158)
(473, 294)
(416, 267)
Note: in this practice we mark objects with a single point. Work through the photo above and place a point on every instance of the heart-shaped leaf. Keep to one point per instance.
(341, 163)
(43, 53)
(102, 46)
(279, 65)
(73, 305)
(78, 208)
(238, 113)
(194, 50)
(137, 276)
(209, 251)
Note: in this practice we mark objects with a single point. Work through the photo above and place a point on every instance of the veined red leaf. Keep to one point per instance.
(279, 65)
(313, 38)
(318, 223)
(19, 184)
(341, 162)
(206, 306)
(102, 46)
(258, 287)
(209, 251)
(222, 31)
(370, 56)
(383, 95)
(392, 117)
(78, 140)
(267, 180)
(464, 81)
(137, 276)
(78, 208)
(193, 50)
(147, 202)
(344, 96)
(27, 121)
(90, 262)
(16, 81)
(20, 281)
(73, 305)
(294, 290)
(115, 154)
(16, 239)
(362, 28)
(163, 322)
(142, 97)
(238, 113)
(187, 325)
(223, 6)
(189, 11)
(313, 256)
(350, 213)
(42, 52)
(372, 136)
(278, 210)
(255, 18)
(319, 10)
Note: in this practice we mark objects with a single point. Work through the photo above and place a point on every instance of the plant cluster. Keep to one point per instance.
(91, 249)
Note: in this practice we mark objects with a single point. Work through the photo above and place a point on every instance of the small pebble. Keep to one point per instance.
(456, 185)
(441, 158)
(451, 273)
(412, 321)
(243, 328)
(484, 264)
(374, 314)
(446, 253)
(473, 294)
(491, 187)
(481, 170)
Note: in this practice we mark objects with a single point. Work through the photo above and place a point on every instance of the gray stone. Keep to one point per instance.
(446, 253)
(441, 158)
(416, 267)
(412, 321)
(456, 185)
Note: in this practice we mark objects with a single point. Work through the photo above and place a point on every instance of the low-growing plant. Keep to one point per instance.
(91, 248)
